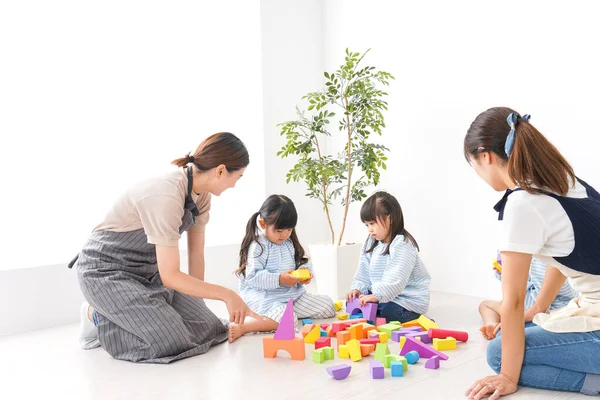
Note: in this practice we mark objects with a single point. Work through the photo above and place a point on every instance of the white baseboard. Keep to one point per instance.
(41, 297)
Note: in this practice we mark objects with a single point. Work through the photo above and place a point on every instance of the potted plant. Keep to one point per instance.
(355, 92)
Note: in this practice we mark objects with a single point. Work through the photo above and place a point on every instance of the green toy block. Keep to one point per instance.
(318, 356)
(396, 323)
(389, 358)
(397, 368)
(381, 351)
(389, 328)
(328, 351)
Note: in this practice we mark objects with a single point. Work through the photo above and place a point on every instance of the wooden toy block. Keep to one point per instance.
(339, 372)
(306, 321)
(342, 316)
(354, 349)
(318, 356)
(426, 323)
(329, 353)
(338, 305)
(285, 330)
(392, 357)
(376, 369)
(444, 333)
(324, 326)
(383, 337)
(323, 333)
(323, 342)
(412, 357)
(356, 316)
(396, 323)
(444, 344)
(294, 347)
(433, 363)
(303, 274)
(343, 351)
(423, 336)
(313, 335)
(379, 322)
(366, 349)
(424, 350)
(388, 328)
(381, 350)
(356, 332)
(374, 341)
(342, 337)
(306, 329)
(397, 369)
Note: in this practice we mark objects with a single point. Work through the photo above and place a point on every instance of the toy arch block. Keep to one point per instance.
(339, 371)
(369, 310)
(294, 347)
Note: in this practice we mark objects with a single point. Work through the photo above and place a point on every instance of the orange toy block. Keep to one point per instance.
(366, 349)
(306, 329)
(294, 347)
(356, 332)
(409, 324)
(329, 331)
(354, 350)
(342, 338)
(314, 335)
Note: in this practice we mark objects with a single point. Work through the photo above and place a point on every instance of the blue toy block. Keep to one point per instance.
(306, 321)
(397, 368)
(323, 333)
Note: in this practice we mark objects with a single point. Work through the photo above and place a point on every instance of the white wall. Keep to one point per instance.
(96, 96)
(451, 61)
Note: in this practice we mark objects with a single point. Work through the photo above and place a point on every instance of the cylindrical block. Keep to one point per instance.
(444, 333)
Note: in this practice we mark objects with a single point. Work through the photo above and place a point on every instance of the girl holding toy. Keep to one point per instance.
(269, 255)
(390, 272)
(549, 213)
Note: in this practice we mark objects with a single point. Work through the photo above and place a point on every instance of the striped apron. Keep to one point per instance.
(139, 319)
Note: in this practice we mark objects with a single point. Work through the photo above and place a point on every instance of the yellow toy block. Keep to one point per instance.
(303, 274)
(426, 323)
(444, 344)
(342, 316)
(497, 266)
(354, 350)
(343, 351)
(383, 337)
(338, 305)
(402, 341)
(313, 336)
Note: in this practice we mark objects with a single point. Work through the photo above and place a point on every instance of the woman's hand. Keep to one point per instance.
(238, 310)
(353, 294)
(369, 298)
(493, 386)
(286, 279)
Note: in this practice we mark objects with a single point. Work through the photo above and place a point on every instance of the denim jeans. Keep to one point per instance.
(394, 312)
(556, 361)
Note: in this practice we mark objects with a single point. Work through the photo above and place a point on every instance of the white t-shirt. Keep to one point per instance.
(537, 224)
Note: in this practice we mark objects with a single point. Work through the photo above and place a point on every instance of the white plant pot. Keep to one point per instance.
(334, 268)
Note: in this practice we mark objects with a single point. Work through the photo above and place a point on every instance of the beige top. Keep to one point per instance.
(156, 205)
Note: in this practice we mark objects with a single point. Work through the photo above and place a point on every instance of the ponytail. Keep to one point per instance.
(183, 161)
(251, 236)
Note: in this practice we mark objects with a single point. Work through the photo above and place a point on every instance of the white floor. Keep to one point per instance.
(49, 364)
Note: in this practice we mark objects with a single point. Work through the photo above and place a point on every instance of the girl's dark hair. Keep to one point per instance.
(379, 206)
(534, 161)
(221, 148)
(277, 211)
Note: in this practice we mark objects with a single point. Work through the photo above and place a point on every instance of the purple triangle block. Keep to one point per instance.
(425, 351)
(433, 363)
(423, 335)
(339, 371)
(285, 330)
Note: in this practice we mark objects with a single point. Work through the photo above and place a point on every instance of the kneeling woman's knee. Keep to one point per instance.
(494, 354)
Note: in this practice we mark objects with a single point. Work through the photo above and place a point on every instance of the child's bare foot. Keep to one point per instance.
(489, 331)
(235, 331)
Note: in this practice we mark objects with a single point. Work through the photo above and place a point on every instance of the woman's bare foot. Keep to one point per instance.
(235, 331)
(489, 331)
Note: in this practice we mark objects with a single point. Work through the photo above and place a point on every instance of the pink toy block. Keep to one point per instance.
(424, 350)
(444, 333)
(324, 326)
(322, 342)
(376, 369)
(369, 310)
(338, 327)
(423, 335)
(285, 330)
(339, 372)
(433, 363)
(380, 321)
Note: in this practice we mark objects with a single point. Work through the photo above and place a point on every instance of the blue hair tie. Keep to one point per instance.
(513, 120)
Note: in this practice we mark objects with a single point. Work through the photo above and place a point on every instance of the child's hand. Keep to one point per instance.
(353, 294)
(307, 281)
(285, 279)
(369, 298)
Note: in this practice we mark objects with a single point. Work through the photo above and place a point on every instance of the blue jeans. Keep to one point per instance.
(556, 361)
(394, 312)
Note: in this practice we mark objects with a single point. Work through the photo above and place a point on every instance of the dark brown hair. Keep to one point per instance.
(379, 206)
(221, 148)
(277, 211)
(534, 161)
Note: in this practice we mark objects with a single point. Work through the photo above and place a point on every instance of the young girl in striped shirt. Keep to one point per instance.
(270, 252)
(390, 272)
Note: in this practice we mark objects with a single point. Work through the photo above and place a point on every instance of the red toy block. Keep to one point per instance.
(369, 341)
(322, 342)
(444, 333)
